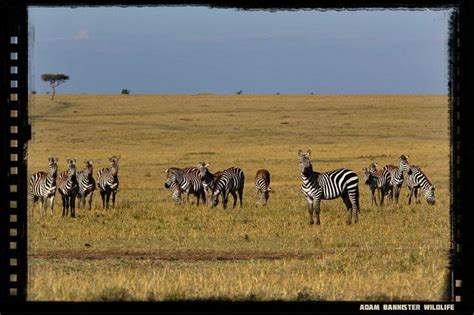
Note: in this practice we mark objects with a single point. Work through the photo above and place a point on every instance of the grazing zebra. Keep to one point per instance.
(329, 185)
(108, 182)
(396, 175)
(176, 193)
(176, 190)
(208, 180)
(371, 181)
(232, 180)
(69, 188)
(86, 183)
(190, 182)
(262, 185)
(43, 186)
(416, 180)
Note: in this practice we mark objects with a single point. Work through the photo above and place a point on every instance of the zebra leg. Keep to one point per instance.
(72, 205)
(113, 199)
(225, 199)
(317, 209)
(102, 195)
(51, 200)
(347, 202)
(241, 194)
(41, 204)
(107, 199)
(64, 205)
(90, 200)
(417, 195)
(234, 195)
(310, 210)
(410, 195)
(203, 196)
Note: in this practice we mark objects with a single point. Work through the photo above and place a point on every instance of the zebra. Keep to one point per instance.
(382, 180)
(69, 188)
(371, 181)
(231, 181)
(208, 180)
(396, 175)
(176, 190)
(43, 186)
(342, 183)
(190, 182)
(262, 185)
(108, 182)
(416, 180)
(86, 183)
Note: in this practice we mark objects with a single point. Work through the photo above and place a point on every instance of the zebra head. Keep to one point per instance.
(430, 195)
(214, 198)
(203, 170)
(89, 166)
(373, 167)
(114, 165)
(403, 165)
(172, 177)
(367, 175)
(71, 172)
(305, 162)
(53, 166)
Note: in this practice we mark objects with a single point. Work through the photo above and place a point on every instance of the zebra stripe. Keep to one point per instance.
(371, 181)
(43, 186)
(262, 185)
(108, 182)
(69, 188)
(230, 181)
(418, 180)
(86, 183)
(396, 176)
(329, 185)
(208, 180)
(189, 181)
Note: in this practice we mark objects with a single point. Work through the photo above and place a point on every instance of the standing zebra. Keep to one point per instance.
(86, 183)
(232, 180)
(381, 179)
(208, 180)
(190, 182)
(43, 186)
(329, 185)
(69, 188)
(177, 189)
(416, 180)
(396, 175)
(371, 181)
(262, 185)
(108, 182)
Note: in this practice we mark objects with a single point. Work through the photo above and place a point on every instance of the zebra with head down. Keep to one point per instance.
(184, 180)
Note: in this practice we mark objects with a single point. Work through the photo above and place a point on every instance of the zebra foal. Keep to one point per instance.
(108, 182)
(231, 181)
(262, 185)
(43, 186)
(342, 183)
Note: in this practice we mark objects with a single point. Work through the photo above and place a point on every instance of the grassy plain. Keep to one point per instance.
(148, 248)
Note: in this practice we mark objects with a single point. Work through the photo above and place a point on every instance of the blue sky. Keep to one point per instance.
(173, 50)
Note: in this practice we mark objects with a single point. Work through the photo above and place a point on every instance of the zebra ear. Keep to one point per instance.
(300, 152)
(309, 152)
(55, 159)
(207, 165)
(433, 187)
(167, 170)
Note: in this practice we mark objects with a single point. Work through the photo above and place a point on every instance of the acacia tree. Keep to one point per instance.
(54, 81)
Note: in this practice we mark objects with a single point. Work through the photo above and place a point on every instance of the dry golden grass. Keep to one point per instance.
(394, 252)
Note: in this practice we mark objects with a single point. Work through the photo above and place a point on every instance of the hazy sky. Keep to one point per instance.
(199, 50)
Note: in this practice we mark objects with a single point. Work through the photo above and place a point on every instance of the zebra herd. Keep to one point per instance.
(74, 184)
(208, 187)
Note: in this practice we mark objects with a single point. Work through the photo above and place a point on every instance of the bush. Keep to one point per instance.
(125, 91)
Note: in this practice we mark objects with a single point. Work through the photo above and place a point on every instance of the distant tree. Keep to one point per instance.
(278, 93)
(239, 92)
(125, 91)
(34, 92)
(54, 81)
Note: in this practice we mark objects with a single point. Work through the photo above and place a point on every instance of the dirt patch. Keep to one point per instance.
(170, 255)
